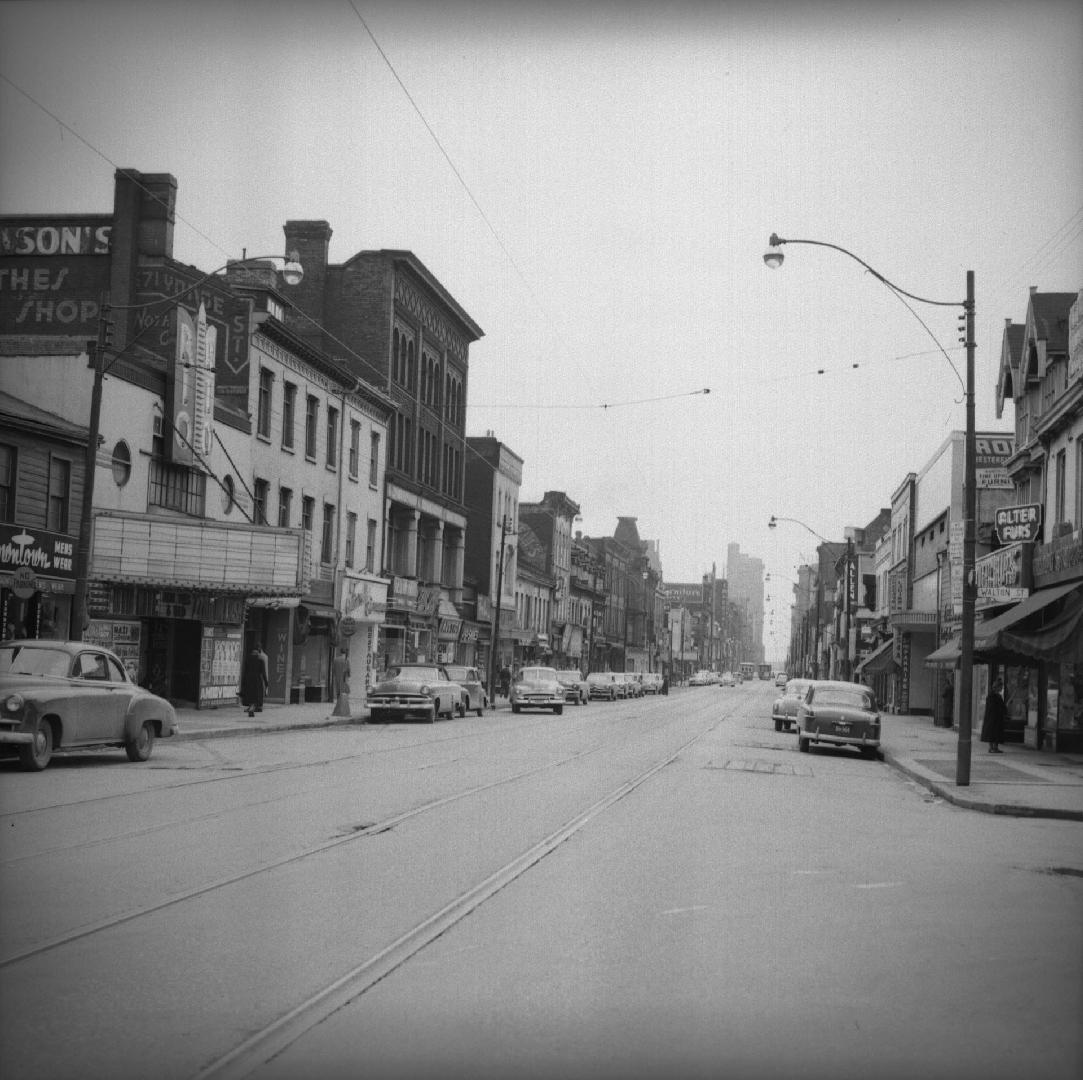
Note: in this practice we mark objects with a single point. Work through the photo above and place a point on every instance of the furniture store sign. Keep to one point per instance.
(1000, 576)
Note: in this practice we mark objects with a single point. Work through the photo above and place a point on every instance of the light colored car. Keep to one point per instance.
(784, 709)
(70, 695)
(652, 682)
(839, 714)
(469, 678)
(727, 679)
(537, 688)
(603, 685)
(422, 690)
(781, 679)
(576, 690)
(633, 688)
(700, 678)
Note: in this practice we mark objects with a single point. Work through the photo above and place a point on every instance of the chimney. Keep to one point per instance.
(310, 240)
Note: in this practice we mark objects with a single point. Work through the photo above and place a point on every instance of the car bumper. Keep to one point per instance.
(538, 701)
(16, 738)
(385, 707)
(860, 740)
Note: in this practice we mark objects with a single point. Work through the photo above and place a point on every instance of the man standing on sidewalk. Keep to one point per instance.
(996, 715)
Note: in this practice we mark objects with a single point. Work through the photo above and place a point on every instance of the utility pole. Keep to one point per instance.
(79, 615)
(496, 612)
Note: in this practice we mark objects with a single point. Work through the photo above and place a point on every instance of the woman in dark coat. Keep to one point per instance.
(996, 715)
(254, 680)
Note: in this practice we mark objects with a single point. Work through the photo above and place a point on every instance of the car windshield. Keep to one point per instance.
(853, 699)
(20, 660)
(568, 676)
(460, 673)
(537, 674)
(422, 674)
(796, 689)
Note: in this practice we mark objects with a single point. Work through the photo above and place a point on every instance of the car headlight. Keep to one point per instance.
(425, 691)
(14, 703)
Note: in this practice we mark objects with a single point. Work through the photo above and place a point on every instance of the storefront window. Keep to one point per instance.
(1070, 700)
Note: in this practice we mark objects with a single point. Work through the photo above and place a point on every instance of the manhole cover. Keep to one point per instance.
(766, 768)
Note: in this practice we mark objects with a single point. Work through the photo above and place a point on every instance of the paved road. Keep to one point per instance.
(662, 887)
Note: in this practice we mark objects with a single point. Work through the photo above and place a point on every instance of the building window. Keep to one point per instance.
(289, 413)
(351, 537)
(312, 416)
(8, 462)
(328, 534)
(1079, 483)
(1061, 490)
(308, 508)
(174, 487)
(59, 494)
(263, 405)
(355, 447)
(374, 458)
(370, 546)
(121, 463)
(332, 438)
(259, 501)
(285, 507)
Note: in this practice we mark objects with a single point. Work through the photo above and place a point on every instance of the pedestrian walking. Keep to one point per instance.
(996, 715)
(254, 680)
(340, 674)
(947, 703)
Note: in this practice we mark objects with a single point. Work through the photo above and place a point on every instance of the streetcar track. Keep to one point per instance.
(275, 1037)
(351, 834)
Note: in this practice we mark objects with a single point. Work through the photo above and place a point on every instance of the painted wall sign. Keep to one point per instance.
(56, 236)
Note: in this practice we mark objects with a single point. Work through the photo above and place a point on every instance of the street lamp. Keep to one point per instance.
(773, 259)
(773, 524)
(292, 273)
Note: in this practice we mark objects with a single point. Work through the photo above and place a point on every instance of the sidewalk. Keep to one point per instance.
(1021, 782)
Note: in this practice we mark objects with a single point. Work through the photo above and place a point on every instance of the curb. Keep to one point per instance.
(194, 735)
(963, 802)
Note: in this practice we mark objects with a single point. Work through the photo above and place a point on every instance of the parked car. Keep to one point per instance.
(70, 695)
(604, 685)
(576, 690)
(727, 679)
(470, 680)
(633, 688)
(839, 714)
(781, 679)
(537, 688)
(652, 682)
(784, 709)
(422, 690)
(698, 679)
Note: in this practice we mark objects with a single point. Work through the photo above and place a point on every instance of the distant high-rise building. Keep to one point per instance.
(745, 576)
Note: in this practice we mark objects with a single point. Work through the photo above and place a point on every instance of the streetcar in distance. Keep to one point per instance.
(765, 672)
(748, 670)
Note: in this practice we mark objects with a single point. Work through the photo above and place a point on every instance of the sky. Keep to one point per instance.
(595, 183)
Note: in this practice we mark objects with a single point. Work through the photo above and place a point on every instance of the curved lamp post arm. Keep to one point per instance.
(774, 260)
(773, 523)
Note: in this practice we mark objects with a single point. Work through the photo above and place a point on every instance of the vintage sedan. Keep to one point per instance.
(784, 709)
(70, 695)
(537, 688)
(603, 685)
(576, 690)
(421, 690)
(470, 680)
(839, 714)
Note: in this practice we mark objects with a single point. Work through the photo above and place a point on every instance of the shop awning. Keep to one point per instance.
(879, 661)
(1024, 629)
(947, 656)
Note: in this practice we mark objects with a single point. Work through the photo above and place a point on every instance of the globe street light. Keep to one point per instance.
(773, 259)
(292, 273)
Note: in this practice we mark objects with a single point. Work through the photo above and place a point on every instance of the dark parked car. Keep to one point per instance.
(422, 690)
(576, 690)
(470, 680)
(71, 695)
(784, 710)
(839, 714)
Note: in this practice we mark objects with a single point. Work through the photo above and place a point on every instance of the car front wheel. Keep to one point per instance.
(34, 756)
(803, 744)
(139, 749)
(558, 709)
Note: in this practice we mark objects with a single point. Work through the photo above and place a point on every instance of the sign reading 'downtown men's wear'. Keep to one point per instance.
(1018, 524)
